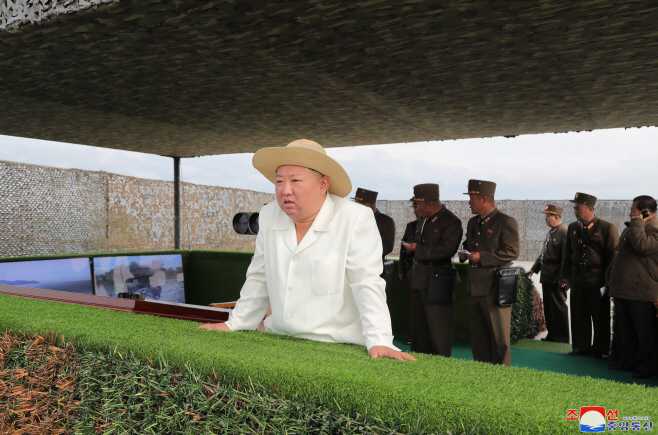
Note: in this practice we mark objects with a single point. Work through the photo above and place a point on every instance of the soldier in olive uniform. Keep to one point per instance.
(492, 239)
(406, 263)
(437, 239)
(588, 252)
(633, 281)
(549, 263)
(407, 258)
(385, 224)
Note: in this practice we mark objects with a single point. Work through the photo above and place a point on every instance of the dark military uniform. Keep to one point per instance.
(385, 224)
(588, 252)
(407, 259)
(406, 263)
(496, 237)
(549, 263)
(437, 241)
(386, 227)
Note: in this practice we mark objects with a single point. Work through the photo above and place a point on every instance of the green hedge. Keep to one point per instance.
(434, 394)
(523, 322)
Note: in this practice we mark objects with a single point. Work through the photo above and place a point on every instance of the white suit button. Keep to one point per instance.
(288, 316)
(289, 288)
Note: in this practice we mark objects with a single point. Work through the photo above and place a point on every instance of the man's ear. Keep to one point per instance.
(324, 183)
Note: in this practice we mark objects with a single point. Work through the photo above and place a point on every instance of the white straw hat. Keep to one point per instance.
(306, 153)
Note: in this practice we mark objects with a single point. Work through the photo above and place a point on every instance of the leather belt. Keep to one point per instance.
(585, 266)
(433, 263)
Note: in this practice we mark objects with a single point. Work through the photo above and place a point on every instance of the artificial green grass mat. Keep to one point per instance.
(433, 394)
(552, 357)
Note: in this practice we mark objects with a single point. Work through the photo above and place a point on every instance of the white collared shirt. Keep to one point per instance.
(327, 288)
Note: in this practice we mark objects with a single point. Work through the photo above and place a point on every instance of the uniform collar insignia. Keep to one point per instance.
(487, 217)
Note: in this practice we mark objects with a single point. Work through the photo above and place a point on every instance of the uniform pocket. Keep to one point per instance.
(327, 275)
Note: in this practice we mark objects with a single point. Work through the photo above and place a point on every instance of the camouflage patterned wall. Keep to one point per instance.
(50, 211)
(60, 211)
(15, 13)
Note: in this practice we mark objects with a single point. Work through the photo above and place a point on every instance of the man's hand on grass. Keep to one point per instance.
(387, 352)
(215, 327)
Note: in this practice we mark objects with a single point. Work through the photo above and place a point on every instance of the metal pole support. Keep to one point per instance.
(176, 202)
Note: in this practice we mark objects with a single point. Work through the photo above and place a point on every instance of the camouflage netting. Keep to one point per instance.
(191, 77)
(15, 13)
(62, 211)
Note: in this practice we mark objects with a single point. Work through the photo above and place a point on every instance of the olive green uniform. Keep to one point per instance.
(633, 277)
(496, 238)
(437, 241)
(549, 264)
(588, 252)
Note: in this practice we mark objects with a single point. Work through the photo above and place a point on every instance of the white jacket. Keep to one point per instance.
(328, 288)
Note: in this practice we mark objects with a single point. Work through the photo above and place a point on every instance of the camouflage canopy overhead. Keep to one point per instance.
(197, 77)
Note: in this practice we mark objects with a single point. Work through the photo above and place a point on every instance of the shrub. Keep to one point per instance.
(527, 313)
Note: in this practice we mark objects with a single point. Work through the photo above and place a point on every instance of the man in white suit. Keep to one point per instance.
(318, 257)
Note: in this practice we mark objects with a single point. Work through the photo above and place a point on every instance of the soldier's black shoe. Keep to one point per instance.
(546, 339)
(596, 355)
(578, 353)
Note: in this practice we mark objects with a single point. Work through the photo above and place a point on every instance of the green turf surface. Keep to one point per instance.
(548, 356)
(433, 394)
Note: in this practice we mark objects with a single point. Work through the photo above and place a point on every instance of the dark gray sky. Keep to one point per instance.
(610, 164)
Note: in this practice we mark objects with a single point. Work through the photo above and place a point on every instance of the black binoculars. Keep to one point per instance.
(246, 223)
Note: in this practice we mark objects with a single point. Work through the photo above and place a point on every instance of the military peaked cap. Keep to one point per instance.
(365, 196)
(426, 192)
(583, 198)
(481, 187)
(553, 209)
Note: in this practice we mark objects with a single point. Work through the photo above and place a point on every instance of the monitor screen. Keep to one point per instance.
(69, 274)
(157, 277)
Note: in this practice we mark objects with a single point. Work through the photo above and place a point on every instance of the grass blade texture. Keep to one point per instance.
(433, 394)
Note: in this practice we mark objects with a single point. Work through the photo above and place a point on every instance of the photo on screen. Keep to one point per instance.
(68, 274)
(157, 277)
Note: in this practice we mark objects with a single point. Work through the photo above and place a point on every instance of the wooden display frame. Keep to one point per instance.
(195, 313)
